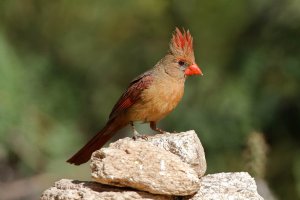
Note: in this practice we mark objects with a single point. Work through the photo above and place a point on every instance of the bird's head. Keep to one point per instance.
(182, 52)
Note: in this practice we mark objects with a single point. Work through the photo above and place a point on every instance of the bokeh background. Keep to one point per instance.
(63, 65)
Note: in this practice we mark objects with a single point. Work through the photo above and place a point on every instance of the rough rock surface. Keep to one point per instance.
(143, 166)
(164, 165)
(222, 186)
(186, 145)
(231, 186)
(66, 189)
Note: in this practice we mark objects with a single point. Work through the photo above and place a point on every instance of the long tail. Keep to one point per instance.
(99, 140)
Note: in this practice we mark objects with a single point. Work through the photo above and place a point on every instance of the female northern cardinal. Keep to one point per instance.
(150, 96)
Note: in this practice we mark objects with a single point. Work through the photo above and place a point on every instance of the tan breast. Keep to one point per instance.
(158, 100)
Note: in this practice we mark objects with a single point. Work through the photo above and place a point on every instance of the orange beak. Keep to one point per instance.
(193, 70)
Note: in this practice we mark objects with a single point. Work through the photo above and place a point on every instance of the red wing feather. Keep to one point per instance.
(132, 94)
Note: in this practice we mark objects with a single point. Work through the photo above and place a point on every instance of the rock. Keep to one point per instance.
(143, 166)
(264, 189)
(186, 145)
(164, 165)
(225, 186)
(66, 189)
(231, 186)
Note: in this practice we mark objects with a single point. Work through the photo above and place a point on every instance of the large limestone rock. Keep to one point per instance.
(222, 186)
(167, 165)
(231, 186)
(143, 166)
(186, 145)
(66, 189)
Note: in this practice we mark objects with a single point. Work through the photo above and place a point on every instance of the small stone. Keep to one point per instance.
(143, 166)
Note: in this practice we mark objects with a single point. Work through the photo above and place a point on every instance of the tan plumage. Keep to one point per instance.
(149, 97)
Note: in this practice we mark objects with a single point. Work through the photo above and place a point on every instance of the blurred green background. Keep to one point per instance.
(63, 65)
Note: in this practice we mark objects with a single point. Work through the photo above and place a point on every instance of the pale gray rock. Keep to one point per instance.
(66, 189)
(166, 165)
(143, 166)
(186, 145)
(221, 186)
(264, 189)
(227, 186)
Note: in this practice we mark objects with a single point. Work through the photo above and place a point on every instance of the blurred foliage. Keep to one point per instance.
(63, 64)
(255, 155)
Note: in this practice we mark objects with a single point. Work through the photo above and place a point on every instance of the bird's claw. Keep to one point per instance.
(160, 131)
(144, 137)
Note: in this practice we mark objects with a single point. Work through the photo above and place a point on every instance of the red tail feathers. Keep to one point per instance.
(99, 140)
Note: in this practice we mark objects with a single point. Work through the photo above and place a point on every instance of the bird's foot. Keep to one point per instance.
(158, 130)
(138, 136)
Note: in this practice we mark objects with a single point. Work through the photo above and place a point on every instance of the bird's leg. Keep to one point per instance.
(153, 127)
(136, 134)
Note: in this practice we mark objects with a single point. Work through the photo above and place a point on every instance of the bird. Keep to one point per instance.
(149, 97)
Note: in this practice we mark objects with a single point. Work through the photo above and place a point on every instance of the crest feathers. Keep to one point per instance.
(182, 40)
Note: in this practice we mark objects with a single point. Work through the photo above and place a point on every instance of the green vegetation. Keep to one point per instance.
(63, 64)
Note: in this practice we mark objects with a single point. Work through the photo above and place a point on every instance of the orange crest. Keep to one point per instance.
(182, 41)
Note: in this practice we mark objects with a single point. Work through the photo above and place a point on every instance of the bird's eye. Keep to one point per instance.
(181, 63)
